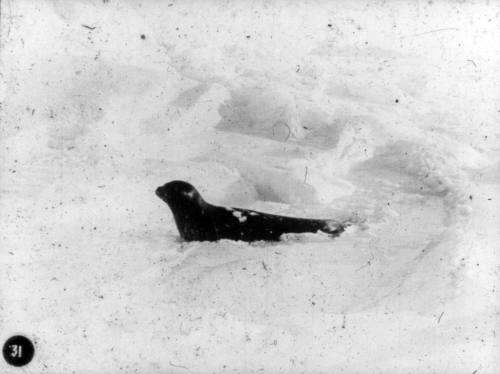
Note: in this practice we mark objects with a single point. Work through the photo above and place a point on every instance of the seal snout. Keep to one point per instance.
(160, 192)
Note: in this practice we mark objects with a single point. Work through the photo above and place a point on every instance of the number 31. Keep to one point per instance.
(16, 350)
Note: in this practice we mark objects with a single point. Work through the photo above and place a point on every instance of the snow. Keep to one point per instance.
(383, 111)
(241, 217)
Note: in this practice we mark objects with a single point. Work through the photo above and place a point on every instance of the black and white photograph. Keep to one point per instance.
(261, 186)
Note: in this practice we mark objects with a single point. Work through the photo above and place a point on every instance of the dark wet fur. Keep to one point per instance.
(198, 220)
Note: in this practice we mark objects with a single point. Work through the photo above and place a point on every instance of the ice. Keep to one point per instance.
(388, 118)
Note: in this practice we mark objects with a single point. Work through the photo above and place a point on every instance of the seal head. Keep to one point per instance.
(179, 194)
(189, 210)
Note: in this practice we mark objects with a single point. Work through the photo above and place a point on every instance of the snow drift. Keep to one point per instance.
(315, 109)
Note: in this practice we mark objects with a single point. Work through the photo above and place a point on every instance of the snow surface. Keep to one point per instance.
(388, 111)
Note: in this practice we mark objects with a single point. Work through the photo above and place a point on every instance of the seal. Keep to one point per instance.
(198, 220)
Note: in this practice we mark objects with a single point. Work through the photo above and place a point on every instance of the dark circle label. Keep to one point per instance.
(18, 350)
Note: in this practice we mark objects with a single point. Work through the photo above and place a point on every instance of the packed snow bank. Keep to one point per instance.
(308, 110)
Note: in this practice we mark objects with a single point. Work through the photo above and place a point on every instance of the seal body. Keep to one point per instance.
(198, 220)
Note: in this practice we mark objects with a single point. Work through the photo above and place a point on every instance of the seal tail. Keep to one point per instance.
(334, 228)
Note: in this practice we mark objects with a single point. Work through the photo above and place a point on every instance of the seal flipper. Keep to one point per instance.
(334, 228)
